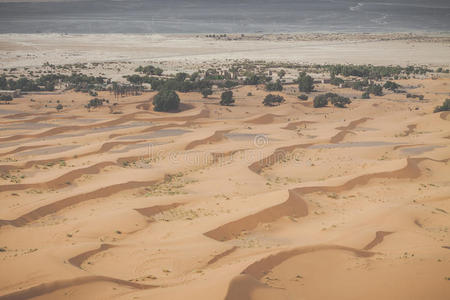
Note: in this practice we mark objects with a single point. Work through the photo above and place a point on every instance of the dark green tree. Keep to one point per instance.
(305, 83)
(227, 98)
(166, 100)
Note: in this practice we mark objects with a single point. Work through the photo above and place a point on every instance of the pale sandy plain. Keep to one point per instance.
(241, 202)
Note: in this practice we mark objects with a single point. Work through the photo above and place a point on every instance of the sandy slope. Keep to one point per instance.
(244, 202)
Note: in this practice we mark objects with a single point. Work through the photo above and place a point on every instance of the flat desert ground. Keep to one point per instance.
(240, 202)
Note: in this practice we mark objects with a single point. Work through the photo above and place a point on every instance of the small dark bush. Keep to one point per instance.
(6, 98)
(273, 100)
(303, 97)
(365, 95)
(390, 85)
(335, 99)
(206, 92)
(274, 86)
(444, 107)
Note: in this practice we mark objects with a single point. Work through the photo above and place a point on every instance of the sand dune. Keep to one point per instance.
(54, 207)
(379, 237)
(153, 210)
(276, 156)
(50, 287)
(23, 148)
(260, 268)
(295, 125)
(222, 255)
(305, 215)
(78, 260)
(61, 181)
(215, 138)
(294, 206)
(339, 137)
(264, 119)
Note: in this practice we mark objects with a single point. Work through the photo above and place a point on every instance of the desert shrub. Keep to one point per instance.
(166, 100)
(249, 94)
(375, 89)
(274, 86)
(444, 107)
(358, 85)
(365, 95)
(336, 81)
(390, 85)
(6, 98)
(273, 100)
(226, 98)
(305, 83)
(335, 99)
(303, 97)
(320, 101)
(254, 79)
(95, 103)
(230, 84)
(149, 70)
(206, 92)
(59, 107)
(340, 101)
(420, 97)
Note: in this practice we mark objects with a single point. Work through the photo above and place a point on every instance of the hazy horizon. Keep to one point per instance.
(201, 16)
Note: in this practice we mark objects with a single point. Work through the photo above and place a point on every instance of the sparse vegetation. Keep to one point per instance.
(303, 97)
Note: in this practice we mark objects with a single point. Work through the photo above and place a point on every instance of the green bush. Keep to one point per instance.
(59, 107)
(273, 100)
(166, 100)
(365, 95)
(227, 98)
(444, 107)
(303, 97)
